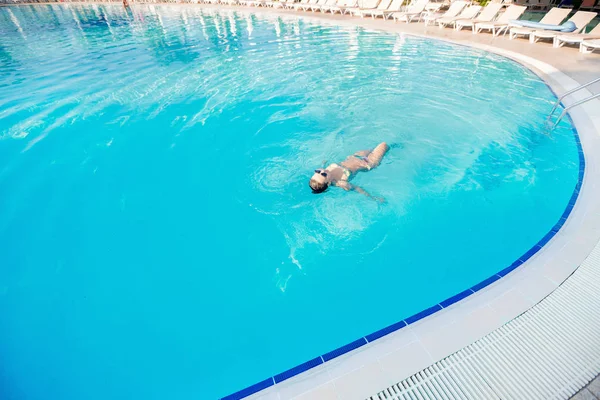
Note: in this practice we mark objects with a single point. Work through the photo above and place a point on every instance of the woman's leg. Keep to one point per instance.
(363, 153)
(377, 154)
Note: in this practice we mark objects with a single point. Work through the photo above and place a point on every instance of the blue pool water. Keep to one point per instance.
(159, 238)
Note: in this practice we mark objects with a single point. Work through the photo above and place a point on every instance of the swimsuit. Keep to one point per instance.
(364, 159)
(346, 171)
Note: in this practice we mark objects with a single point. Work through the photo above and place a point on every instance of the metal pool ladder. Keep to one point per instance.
(566, 109)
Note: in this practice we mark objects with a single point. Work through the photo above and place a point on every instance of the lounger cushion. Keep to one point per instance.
(566, 27)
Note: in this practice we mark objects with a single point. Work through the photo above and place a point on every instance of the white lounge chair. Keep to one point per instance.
(344, 6)
(575, 38)
(306, 6)
(488, 14)
(468, 13)
(365, 5)
(455, 8)
(587, 46)
(395, 6)
(413, 11)
(298, 6)
(502, 23)
(320, 5)
(255, 3)
(553, 17)
(580, 19)
(279, 3)
(317, 6)
(383, 5)
(328, 4)
(435, 5)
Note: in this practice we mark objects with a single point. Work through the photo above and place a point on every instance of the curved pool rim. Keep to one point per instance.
(537, 247)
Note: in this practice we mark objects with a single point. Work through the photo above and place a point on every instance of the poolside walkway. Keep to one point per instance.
(590, 392)
(549, 352)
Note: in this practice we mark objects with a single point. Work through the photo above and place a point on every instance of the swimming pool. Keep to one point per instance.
(159, 236)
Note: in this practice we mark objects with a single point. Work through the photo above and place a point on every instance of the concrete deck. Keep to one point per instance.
(548, 352)
(590, 392)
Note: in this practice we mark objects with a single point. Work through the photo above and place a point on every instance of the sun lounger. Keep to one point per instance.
(413, 11)
(316, 6)
(366, 5)
(280, 3)
(501, 24)
(306, 6)
(322, 4)
(435, 5)
(395, 6)
(298, 6)
(383, 5)
(455, 8)
(467, 13)
(488, 13)
(587, 46)
(580, 19)
(553, 17)
(343, 7)
(574, 38)
(271, 3)
(328, 5)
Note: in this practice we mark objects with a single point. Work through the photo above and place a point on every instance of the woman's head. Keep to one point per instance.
(319, 182)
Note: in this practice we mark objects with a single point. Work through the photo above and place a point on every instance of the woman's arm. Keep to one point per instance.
(347, 186)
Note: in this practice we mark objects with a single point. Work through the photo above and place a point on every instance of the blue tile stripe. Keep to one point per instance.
(298, 369)
(431, 310)
(486, 282)
(457, 297)
(385, 331)
(425, 313)
(510, 268)
(344, 349)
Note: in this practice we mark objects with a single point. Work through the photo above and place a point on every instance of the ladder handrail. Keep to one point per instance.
(575, 104)
(570, 92)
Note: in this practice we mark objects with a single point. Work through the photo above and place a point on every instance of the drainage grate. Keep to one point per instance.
(549, 352)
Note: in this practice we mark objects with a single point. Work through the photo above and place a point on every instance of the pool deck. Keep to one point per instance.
(467, 350)
(590, 392)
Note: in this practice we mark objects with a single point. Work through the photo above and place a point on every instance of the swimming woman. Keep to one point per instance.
(340, 174)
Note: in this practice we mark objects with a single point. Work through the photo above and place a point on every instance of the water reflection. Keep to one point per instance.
(186, 68)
